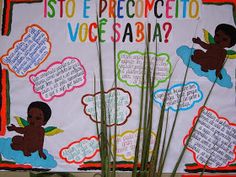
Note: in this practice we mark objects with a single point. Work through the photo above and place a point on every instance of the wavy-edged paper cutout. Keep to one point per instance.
(126, 143)
(123, 103)
(59, 78)
(17, 156)
(28, 53)
(185, 52)
(213, 140)
(191, 94)
(130, 67)
(79, 151)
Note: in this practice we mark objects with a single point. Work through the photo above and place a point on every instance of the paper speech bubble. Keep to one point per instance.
(126, 143)
(123, 106)
(191, 94)
(213, 140)
(29, 52)
(130, 67)
(79, 151)
(59, 78)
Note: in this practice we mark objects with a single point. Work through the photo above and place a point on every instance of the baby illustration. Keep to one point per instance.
(214, 56)
(33, 134)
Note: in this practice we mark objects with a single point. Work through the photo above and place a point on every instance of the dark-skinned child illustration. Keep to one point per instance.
(33, 133)
(214, 56)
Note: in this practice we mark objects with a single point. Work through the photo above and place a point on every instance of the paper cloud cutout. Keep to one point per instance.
(78, 151)
(184, 52)
(124, 110)
(191, 94)
(130, 67)
(126, 143)
(59, 78)
(29, 52)
(17, 156)
(213, 140)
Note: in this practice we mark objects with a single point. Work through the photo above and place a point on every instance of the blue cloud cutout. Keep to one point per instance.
(176, 86)
(184, 52)
(7, 152)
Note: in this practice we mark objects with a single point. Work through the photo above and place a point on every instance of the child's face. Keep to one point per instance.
(35, 117)
(222, 39)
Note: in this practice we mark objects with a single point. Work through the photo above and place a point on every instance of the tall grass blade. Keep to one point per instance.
(194, 127)
(176, 115)
(160, 167)
(190, 135)
(137, 147)
(179, 102)
(109, 145)
(146, 123)
(104, 147)
(151, 169)
(144, 153)
(96, 113)
(115, 105)
(205, 165)
(155, 153)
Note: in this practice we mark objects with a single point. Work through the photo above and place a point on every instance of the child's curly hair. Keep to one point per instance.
(44, 107)
(229, 30)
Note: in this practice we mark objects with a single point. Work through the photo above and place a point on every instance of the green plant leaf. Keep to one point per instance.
(193, 129)
(137, 146)
(104, 148)
(114, 150)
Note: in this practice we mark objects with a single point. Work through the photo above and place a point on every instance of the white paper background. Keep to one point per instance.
(67, 111)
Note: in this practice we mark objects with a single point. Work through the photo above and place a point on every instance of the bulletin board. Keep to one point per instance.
(50, 69)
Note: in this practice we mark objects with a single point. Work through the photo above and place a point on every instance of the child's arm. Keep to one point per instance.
(20, 130)
(201, 43)
(40, 150)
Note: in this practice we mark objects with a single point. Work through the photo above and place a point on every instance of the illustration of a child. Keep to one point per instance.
(214, 56)
(33, 134)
